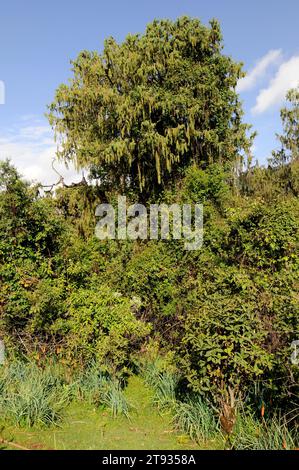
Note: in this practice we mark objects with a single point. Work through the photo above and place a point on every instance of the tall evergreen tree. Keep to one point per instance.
(140, 111)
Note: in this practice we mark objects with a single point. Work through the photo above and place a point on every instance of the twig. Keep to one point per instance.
(12, 444)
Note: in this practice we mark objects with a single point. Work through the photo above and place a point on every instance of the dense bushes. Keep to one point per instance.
(242, 314)
(159, 121)
(102, 324)
(228, 312)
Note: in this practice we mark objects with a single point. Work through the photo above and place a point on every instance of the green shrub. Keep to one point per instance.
(103, 326)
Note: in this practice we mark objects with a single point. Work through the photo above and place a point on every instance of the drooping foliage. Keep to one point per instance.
(225, 315)
(142, 110)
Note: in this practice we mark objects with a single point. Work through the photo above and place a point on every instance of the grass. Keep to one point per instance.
(165, 390)
(31, 396)
(88, 427)
(163, 383)
(39, 408)
(98, 389)
(254, 434)
(114, 398)
(196, 418)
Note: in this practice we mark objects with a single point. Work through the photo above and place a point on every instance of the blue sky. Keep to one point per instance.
(38, 39)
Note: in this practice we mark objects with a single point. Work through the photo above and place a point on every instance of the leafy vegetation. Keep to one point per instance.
(197, 419)
(30, 396)
(256, 435)
(157, 120)
(142, 110)
(87, 427)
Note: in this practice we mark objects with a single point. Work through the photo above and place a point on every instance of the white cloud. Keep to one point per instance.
(31, 148)
(285, 78)
(248, 82)
(34, 132)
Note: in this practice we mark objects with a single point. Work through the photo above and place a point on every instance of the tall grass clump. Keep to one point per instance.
(97, 388)
(150, 372)
(165, 390)
(271, 434)
(163, 382)
(88, 385)
(113, 397)
(31, 396)
(196, 418)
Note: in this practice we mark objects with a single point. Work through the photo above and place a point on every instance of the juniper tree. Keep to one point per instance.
(139, 112)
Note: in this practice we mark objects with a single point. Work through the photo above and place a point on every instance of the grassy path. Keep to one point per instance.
(85, 427)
